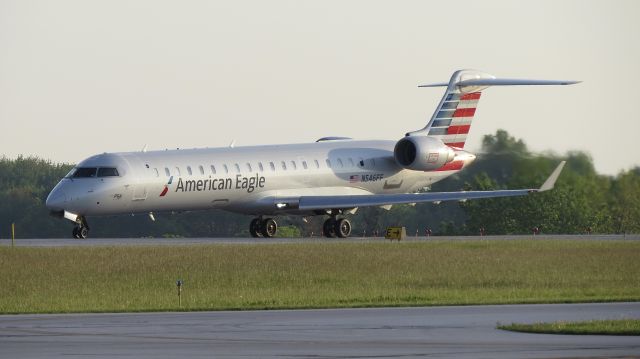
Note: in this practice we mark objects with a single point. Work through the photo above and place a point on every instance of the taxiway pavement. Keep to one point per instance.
(91, 242)
(433, 332)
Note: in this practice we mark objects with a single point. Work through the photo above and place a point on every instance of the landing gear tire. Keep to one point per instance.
(269, 228)
(329, 228)
(255, 228)
(343, 228)
(80, 232)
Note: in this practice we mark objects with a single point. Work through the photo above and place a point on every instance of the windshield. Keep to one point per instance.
(83, 172)
(70, 174)
(107, 172)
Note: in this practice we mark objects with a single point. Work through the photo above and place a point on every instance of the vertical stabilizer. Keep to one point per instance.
(452, 119)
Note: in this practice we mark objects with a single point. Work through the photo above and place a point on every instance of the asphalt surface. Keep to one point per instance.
(434, 332)
(66, 242)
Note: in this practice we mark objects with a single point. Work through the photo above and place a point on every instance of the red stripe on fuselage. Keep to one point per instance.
(464, 112)
(470, 96)
(451, 166)
(458, 130)
(164, 191)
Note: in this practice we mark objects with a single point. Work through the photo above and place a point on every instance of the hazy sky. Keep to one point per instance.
(85, 77)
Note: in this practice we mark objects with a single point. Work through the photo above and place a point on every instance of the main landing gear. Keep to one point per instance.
(332, 227)
(81, 230)
(336, 227)
(260, 227)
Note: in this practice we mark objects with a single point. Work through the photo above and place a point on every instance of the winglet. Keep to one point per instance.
(551, 181)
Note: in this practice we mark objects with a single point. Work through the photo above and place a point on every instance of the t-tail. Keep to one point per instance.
(451, 121)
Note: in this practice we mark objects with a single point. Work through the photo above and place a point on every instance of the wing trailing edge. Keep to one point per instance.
(308, 203)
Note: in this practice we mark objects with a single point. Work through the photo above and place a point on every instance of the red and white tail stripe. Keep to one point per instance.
(452, 120)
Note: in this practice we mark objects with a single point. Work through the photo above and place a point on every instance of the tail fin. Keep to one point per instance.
(452, 119)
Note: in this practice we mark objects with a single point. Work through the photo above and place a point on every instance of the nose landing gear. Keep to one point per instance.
(81, 230)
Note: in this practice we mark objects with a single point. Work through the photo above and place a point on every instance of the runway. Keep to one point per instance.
(434, 332)
(91, 242)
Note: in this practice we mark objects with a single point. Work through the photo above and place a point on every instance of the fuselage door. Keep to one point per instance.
(140, 192)
(140, 176)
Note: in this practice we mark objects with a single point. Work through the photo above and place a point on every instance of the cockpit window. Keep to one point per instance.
(107, 172)
(70, 174)
(83, 172)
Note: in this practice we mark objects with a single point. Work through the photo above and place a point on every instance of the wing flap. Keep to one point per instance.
(340, 202)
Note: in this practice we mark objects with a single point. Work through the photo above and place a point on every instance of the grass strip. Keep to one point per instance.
(317, 275)
(592, 327)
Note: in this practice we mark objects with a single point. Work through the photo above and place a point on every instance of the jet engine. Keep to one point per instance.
(422, 153)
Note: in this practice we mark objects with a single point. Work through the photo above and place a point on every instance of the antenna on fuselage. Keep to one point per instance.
(144, 149)
(233, 143)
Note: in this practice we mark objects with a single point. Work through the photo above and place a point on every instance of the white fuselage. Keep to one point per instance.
(241, 179)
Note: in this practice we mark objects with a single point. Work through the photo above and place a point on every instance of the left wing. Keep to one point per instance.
(352, 201)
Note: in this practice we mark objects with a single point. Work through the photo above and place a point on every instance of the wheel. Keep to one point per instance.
(343, 228)
(83, 233)
(75, 233)
(329, 228)
(269, 228)
(255, 229)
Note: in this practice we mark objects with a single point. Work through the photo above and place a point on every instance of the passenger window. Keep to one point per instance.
(249, 166)
(304, 164)
(157, 173)
(260, 166)
(284, 165)
(317, 164)
(273, 167)
(351, 164)
(178, 170)
(340, 163)
(293, 165)
(167, 172)
(213, 169)
(226, 169)
(201, 169)
(84, 172)
(107, 172)
(237, 168)
(189, 170)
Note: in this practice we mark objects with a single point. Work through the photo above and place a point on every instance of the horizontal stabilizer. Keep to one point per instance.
(501, 82)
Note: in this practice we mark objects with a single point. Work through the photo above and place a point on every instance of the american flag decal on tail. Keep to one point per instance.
(453, 119)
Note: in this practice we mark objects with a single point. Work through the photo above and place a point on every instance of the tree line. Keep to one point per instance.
(583, 201)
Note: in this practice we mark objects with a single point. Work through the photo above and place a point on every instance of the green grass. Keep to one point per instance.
(317, 275)
(592, 327)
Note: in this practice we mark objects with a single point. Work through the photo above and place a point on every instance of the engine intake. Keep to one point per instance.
(422, 153)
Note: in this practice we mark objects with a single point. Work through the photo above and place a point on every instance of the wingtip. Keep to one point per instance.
(551, 181)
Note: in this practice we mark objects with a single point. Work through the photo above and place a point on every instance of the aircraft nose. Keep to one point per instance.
(56, 199)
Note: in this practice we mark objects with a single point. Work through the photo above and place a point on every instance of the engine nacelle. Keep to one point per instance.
(422, 153)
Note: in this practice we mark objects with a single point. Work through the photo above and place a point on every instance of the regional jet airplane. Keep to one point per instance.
(330, 177)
